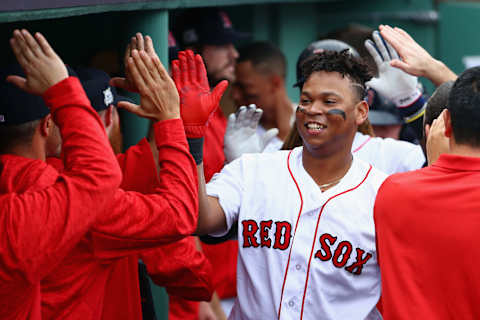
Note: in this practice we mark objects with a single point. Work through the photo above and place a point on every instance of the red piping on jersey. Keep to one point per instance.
(316, 229)
(361, 146)
(294, 233)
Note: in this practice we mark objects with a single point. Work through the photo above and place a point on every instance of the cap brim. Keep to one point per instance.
(381, 118)
(227, 37)
(119, 98)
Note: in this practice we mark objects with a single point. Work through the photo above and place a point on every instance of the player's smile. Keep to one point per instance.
(315, 127)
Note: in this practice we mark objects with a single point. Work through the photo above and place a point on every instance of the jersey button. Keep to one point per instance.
(298, 267)
(291, 303)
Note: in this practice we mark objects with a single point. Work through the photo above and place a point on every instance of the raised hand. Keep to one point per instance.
(138, 43)
(241, 135)
(413, 58)
(42, 66)
(197, 102)
(159, 98)
(393, 83)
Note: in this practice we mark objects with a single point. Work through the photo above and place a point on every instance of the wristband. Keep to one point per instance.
(196, 149)
(406, 100)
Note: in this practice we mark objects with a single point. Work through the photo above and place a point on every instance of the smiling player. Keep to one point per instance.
(305, 217)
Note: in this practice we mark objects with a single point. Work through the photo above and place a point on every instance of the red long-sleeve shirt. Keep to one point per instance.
(135, 221)
(43, 213)
(427, 224)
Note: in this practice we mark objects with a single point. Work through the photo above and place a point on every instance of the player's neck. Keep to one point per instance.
(464, 150)
(331, 168)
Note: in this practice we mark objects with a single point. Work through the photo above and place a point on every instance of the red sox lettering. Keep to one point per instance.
(283, 234)
(257, 235)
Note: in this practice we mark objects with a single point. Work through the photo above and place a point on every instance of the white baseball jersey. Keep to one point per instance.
(388, 155)
(303, 253)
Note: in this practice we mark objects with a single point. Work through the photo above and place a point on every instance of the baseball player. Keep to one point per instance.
(430, 265)
(179, 266)
(305, 217)
(44, 214)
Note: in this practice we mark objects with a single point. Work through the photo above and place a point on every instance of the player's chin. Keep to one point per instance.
(314, 139)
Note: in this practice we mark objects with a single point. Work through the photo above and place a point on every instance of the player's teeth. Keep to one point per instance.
(315, 126)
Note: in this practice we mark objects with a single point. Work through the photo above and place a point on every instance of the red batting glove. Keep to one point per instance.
(197, 103)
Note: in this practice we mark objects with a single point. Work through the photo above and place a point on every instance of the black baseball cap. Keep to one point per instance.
(17, 106)
(319, 46)
(210, 26)
(96, 84)
(382, 112)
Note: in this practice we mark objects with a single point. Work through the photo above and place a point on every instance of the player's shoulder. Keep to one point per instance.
(268, 158)
(396, 145)
(404, 181)
(373, 176)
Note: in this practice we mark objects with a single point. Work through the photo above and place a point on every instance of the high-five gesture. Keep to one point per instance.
(395, 84)
(197, 102)
(42, 66)
(138, 43)
(414, 59)
(158, 96)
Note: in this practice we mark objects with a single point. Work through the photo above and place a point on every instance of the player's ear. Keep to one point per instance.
(109, 116)
(361, 112)
(447, 119)
(46, 125)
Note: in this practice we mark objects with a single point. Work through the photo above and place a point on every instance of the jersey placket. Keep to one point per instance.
(301, 247)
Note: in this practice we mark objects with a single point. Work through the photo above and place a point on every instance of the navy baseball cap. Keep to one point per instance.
(382, 112)
(96, 84)
(319, 46)
(210, 26)
(17, 106)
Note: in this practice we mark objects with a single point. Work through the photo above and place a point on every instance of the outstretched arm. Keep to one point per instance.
(197, 103)
(40, 227)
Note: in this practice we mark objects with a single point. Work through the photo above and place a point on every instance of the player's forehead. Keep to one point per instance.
(321, 83)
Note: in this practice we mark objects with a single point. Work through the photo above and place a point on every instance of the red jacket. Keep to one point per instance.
(43, 213)
(427, 224)
(223, 257)
(178, 266)
(134, 221)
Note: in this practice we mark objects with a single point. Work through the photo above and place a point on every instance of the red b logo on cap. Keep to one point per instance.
(226, 21)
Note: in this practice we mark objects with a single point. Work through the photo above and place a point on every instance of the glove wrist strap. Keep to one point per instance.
(196, 149)
(405, 100)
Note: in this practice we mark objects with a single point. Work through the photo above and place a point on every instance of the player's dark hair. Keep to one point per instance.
(437, 102)
(265, 57)
(342, 62)
(15, 135)
(464, 107)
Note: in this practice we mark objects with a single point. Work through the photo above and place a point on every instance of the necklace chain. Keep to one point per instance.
(326, 185)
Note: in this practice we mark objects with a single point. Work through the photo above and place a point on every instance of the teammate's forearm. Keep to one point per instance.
(437, 72)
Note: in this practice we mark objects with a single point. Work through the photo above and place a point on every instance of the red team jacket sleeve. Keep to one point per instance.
(182, 269)
(38, 228)
(138, 221)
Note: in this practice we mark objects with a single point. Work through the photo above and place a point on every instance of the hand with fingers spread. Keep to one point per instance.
(197, 102)
(437, 142)
(241, 135)
(159, 98)
(138, 43)
(42, 66)
(393, 83)
(414, 59)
